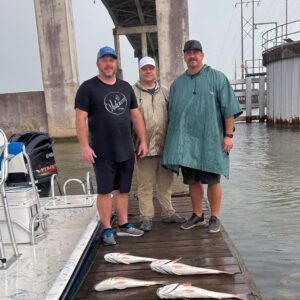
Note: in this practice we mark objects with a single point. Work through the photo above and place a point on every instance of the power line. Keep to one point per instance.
(226, 34)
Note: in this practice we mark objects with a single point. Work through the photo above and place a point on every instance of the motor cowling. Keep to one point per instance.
(39, 147)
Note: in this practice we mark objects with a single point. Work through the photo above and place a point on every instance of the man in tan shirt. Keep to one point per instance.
(152, 101)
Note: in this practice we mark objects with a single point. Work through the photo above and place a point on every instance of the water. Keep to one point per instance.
(260, 206)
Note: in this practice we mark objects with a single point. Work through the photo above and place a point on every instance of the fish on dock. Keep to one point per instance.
(187, 291)
(121, 283)
(166, 266)
(125, 258)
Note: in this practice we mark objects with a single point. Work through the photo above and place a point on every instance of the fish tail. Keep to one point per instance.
(230, 273)
(241, 296)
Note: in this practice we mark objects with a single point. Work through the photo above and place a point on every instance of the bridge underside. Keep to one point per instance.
(137, 20)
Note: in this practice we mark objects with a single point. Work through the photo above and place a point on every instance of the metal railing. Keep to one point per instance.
(251, 94)
(282, 34)
(254, 68)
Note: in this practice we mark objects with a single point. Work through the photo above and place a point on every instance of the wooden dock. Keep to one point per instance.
(195, 246)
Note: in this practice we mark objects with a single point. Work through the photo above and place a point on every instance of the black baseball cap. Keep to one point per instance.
(192, 45)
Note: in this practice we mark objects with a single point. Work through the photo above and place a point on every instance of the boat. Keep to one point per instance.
(46, 235)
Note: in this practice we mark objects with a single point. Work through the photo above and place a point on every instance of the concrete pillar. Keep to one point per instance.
(118, 51)
(144, 44)
(248, 99)
(262, 98)
(59, 63)
(173, 32)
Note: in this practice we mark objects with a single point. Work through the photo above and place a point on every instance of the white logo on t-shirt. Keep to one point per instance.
(115, 103)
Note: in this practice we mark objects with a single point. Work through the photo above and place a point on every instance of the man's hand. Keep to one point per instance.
(227, 144)
(139, 128)
(142, 150)
(88, 154)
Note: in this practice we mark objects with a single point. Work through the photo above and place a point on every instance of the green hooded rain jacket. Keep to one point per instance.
(198, 106)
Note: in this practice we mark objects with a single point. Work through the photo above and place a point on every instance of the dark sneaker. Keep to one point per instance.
(175, 218)
(108, 237)
(146, 225)
(129, 230)
(193, 221)
(214, 225)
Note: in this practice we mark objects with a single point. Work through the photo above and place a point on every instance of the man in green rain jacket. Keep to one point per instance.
(202, 109)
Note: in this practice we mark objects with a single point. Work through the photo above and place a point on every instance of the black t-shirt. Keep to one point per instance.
(108, 108)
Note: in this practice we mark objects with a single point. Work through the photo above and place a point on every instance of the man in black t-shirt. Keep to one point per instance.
(109, 104)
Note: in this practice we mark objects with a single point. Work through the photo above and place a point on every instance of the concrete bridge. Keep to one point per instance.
(156, 28)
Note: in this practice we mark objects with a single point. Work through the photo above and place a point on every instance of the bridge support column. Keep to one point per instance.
(59, 64)
(173, 32)
(144, 44)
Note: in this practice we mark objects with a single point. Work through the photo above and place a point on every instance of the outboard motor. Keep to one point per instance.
(39, 148)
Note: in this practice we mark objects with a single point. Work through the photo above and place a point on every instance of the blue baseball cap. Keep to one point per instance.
(106, 51)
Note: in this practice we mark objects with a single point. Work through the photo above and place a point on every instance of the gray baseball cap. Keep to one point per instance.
(192, 45)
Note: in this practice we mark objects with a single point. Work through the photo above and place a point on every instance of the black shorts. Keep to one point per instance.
(111, 175)
(191, 176)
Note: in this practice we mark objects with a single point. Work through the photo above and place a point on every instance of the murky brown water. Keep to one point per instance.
(261, 203)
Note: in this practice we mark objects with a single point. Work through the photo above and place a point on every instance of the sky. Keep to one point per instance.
(216, 23)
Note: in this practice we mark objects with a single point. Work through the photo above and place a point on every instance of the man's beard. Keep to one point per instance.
(191, 60)
(193, 63)
(109, 75)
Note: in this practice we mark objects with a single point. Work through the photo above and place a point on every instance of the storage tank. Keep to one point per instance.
(283, 82)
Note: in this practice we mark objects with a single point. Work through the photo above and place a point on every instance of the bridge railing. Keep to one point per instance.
(251, 93)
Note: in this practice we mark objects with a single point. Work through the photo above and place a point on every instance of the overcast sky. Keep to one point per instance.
(216, 23)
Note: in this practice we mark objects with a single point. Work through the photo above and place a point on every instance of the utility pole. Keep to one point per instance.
(245, 33)
(242, 42)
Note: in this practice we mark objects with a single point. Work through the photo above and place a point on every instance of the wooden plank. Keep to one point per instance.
(196, 247)
(203, 262)
(147, 293)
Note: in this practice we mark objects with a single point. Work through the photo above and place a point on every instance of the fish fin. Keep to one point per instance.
(177, 269)
(125, 261)
(186, 284)
(163, 282)
(241, 296)
(230, 273)
(120, 283)
(176, 260)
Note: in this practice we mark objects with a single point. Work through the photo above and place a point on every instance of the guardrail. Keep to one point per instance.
(285, 33)
(251, 93)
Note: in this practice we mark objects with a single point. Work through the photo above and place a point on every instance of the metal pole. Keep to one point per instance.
(242, 41)
(253, 36)
(261, 98)
(276, 33)
(286, 18)
(248, 99)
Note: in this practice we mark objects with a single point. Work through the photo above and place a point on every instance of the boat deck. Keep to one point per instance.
(43, 270)
(195, 246)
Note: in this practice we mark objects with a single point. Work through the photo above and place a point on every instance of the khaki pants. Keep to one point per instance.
(150, 171)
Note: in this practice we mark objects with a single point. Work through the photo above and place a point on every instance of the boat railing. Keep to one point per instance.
(4, 157)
